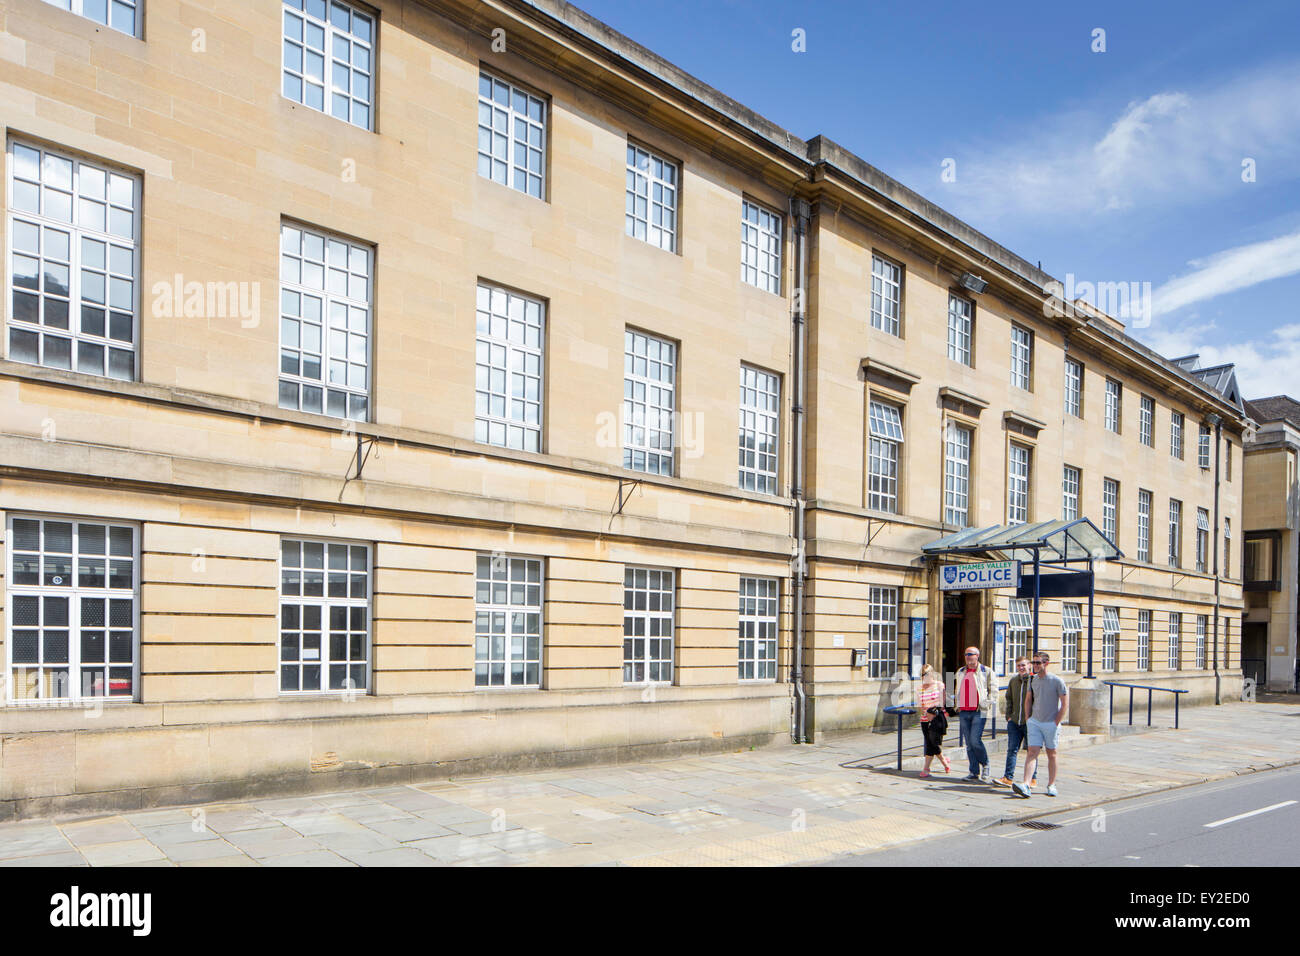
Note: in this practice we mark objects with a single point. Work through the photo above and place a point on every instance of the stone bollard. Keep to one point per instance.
(1090, 706)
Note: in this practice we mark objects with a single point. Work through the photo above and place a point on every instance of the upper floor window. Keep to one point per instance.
(1070, 494)
(1260, 571)
(1176, 434)
(1146, 421)
(1018, 484)
(651, 212)
(508, 369)
(1073, 388)
(1175, 533)
(1113, 397)
(760, 396)
(511, 135)
(886, 295)
(1227, 546)
(960, 328)
(956, 475)
(1022, 355)
(1227, 460)
(329, 58)
(1202, 540)
(1110, 509)
(122, 15)
(74, 233)
(324, 323)
(1144, 525)
(886, 422)
(760, 247)
(649, 403)
(1203, 447)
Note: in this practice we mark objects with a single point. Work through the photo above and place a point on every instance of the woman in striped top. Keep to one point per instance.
(931, 695)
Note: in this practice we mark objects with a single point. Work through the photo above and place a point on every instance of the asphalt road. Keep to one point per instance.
(1252, 820)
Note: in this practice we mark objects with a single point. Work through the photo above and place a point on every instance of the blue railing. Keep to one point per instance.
(1149, 689)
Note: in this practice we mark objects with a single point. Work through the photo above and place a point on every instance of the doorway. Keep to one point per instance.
(954, 619)
(1254, 652)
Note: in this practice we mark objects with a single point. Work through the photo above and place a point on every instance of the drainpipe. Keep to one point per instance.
(1218, 429)
(801, 211)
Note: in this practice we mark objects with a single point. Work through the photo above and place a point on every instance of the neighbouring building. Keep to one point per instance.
(421, 387)
(1269, 560)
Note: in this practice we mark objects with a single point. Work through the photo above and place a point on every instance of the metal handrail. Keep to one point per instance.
(1112, 684)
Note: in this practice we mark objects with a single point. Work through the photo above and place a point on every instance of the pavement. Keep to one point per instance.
(779, 805)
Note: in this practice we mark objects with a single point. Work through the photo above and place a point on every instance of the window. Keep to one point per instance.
(1071, 630)
(1175, 533)
(1203, 447)
(882, 632)
(1017, 484)
(121, 15)
(651, 198)
(1144, 525)
(1109, 638)
(648, 403)
(508, 361)
(959, 329)
(1110, 509)
(1202, 540)
(74, 231)
(1070, 494)
(1113, 395)
(1176, 434)
(324, 323)
(956, 477)
(1227, 460)
(1073, 388)
(324, 616)
(1227, 547)
(758, 599)
(507, 621)
(1146, 421)
(1144, 641)
(1202, 623)
(1019, 628)
(759, 413)
(1175, 639)
(647, 626)
(329, 46)
(886, 441)
(511, 135)
(886, 295)
(760, 247)
(1260, 571)
(73, 588)
(1022, 355)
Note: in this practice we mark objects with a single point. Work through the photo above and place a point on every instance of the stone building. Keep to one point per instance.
(422, 386)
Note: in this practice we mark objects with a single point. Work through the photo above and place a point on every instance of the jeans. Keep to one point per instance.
(1015, 740)
(972, 728)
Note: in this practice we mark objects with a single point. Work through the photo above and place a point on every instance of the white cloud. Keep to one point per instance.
(1265, 366)
(1228, 271)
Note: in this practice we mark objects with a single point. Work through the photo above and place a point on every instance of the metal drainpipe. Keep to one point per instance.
(1218, 433)
(801, 211)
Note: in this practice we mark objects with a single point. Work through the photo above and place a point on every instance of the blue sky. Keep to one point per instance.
(1117, 166)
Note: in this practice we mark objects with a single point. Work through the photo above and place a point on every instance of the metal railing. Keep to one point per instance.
(1112, 684)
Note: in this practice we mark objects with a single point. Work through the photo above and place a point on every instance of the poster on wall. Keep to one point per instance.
(916, 650)
(1000, 648)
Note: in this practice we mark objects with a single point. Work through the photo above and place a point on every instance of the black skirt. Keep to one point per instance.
(933, 738)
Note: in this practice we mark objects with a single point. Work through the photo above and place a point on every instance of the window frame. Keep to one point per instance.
(486, 422)
(1110, 638)
(1202, 627)
(956, 332)
(953, 428)
(632, 614)
(884, 490)
(1176, 424)
(1147, 421)
(1203, 531)
(1110, 509)
(1203, 439)
(764, 482)
(882, 631)
(751, 611)
(1073, 388)
(1070, 512)
(77, 9)
(774, 239)
(1175, 533)
(1144, 525)
(325, 602)
(1144, 640)
(328, 48)
(1019, 484)
(508, 610)
(630, 218)
(1114, 406)
(885, 281)
(514, 89)
(1020, 626)
(1022, 357)
(1071, 635)
(630, 449)
(1174, 650)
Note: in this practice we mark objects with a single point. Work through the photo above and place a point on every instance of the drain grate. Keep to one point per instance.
(1040, 825)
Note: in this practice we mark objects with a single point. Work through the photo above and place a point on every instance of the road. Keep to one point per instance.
(1252, 820)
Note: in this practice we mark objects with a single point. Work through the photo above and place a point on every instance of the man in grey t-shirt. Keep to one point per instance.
(1048, 702)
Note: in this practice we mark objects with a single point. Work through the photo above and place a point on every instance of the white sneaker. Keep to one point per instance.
(986, 776)
(1051, 789)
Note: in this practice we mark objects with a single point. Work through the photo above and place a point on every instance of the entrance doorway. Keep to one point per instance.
(1254, 651)
(954, 619)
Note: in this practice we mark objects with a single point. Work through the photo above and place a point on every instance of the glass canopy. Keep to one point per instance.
(1056, 540)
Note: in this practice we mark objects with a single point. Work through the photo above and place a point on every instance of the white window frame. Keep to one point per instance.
(357, 64)
(1074, 388)
(511, 127)
(1071, 635)
(961, 329)
(509, 590)
(1110, 629)
(1175, 651)
(1110, 509)
(761, 245)
(656, 668)
(882, 631)
(1145, 499)
(1071, 479)
(1147, 421)
(1020, 625)
(759, 433)
(1175, 533)
(1227, 547)
(75, 593)
(326, 603)
(1202, 625)
(1144, 641)
(884, 455)
(886, 295)
(110, 7)
(1114, 409)
(649, 397)
(759, 606)
(652, 197)
(1176, 435)
(113, 282)
(1203, 446)
(1019, 470)
(339, 339)
(958, 440)
(1202, 541)
(1022, 357)
(509, 368)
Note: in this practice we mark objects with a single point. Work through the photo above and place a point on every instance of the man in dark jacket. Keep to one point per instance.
(1017, 729)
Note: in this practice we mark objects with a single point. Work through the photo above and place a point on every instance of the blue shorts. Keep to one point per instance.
(1043, 733)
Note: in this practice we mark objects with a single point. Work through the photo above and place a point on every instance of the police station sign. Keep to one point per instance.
(988, 574)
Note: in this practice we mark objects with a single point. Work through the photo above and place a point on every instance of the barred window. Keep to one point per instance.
(886, 422)
(886, 295)
(1070, 494)
(508, 369)
(328, 58)
(511, 135)
(1017, 484)
(1144, 525)
(1175, 533)
(121, 15)
(651, 208)
(957, 444)
(1109, 638)
(882, 632)
(1176, 434)
(1114, 392)
(757, 642)
(507, 621)
(1019, 628)
(1110, 509)
(760, 411)
(1175, 639)
(74, 233)
(1144, 641)
(324, 616)
(647, 626)
(760, 247)
(72, 593)
(1022, 353)
(1071, 630)
(1202, 540)
(1202, 624)
(649, 377)
(1146, 421)
(959, 329)
(324, 323)
(1073, 388)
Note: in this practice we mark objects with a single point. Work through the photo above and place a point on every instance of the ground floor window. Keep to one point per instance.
(1109, 638)
(507, 621)
(882, 632)
(1022, 623)
(1202, 624)
(1144, 641)
(758, 602)
(72, 599)
(1175, 639)
(647, 626)
(1071, 629)
(324, 616)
